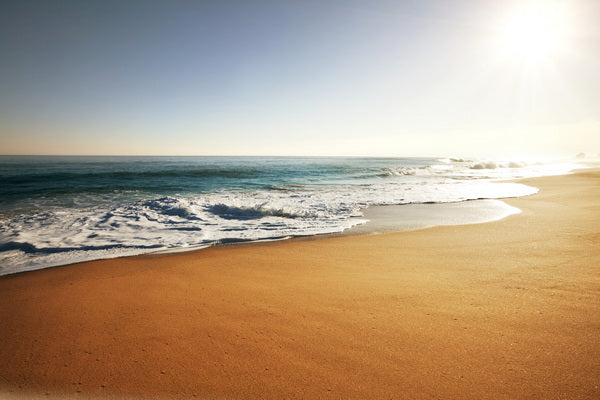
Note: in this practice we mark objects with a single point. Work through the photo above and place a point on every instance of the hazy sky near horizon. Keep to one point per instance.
(374, 78)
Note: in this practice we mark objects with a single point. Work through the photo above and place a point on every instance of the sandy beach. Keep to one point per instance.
(501, 310)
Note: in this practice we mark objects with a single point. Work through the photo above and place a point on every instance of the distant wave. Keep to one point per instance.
(494, 165)
(398, 171)
(129, 175)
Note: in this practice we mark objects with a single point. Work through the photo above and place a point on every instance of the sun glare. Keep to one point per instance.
(533, 32)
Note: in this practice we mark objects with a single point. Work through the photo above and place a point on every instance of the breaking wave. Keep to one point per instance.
(289, 200)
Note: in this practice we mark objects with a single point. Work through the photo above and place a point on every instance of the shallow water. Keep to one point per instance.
(410, 217)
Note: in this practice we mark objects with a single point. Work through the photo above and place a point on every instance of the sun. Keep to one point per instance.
(533, 32)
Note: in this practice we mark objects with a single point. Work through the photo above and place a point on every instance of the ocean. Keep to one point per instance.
(62, 210)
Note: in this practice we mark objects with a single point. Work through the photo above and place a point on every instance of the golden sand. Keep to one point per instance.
(502, 310)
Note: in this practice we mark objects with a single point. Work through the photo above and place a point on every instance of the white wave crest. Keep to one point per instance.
(67, 235)
(405, 171)
(495, 165)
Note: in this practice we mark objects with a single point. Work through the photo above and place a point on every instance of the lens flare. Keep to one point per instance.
(533, 32)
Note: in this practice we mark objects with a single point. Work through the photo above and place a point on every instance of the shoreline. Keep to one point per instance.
(487, 212)
(504, 309)
(53, 254)
(380, 219)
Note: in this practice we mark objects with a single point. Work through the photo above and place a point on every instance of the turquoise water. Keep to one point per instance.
(60, 210)
(35, 183)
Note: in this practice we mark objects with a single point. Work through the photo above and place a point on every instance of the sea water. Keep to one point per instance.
(61, 210)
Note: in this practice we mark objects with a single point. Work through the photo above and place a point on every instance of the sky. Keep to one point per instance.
(509, 78)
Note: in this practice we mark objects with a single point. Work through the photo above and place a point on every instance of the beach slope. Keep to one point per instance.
(502, 310)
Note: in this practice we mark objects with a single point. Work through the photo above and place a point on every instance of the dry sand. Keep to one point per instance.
(502, 310)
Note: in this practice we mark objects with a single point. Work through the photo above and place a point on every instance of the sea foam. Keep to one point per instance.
(316, 204)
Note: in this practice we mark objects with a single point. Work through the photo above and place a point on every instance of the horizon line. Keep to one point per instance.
(215, 155)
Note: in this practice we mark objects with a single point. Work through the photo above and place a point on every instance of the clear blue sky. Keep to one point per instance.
(296, 78)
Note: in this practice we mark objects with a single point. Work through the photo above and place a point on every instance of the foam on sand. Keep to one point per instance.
(410, 217)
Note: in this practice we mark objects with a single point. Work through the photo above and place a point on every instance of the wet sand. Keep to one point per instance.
(502, 310)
